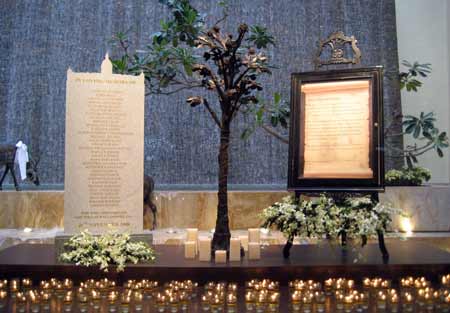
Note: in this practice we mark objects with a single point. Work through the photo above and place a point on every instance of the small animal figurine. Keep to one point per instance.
(7, 159)
(149, 186)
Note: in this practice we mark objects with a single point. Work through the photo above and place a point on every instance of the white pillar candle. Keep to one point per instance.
(235, 249)
(204, 248)
(254, 251)
(190, 249)
(254, 235)
(221, 256)
(191, 234)
(244, 242)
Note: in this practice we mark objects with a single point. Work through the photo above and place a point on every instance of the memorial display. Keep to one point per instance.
(371, 294)
(104, 167)
(137, 227)
(339, 112)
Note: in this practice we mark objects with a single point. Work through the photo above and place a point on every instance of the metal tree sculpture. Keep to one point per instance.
(229, 67)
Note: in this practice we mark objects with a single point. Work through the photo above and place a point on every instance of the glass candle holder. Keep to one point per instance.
(3, 299)
(408, 303)
(348, 303)
(14, 287)
(138, 297)
(35, 303)
(112, 301)
(319, 299)
(96, 299)
(216, 304)
(307, 303)
(381, 301)
(45, 300)
(26, 284)
(21, 301)
(205, 303)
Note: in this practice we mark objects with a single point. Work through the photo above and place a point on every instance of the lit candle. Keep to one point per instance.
(348, 303)
(125, 303)
(394, 303)
(68, 298)
(274, 300)
(319, 298)
(3, 297)
(254, 235)
(21, 302)
(184, 299)
(235, 249)
(254, 251)
(339, 301)
(261, 300)
(95, 296)
(231, 299)
(67, 283)
(381, 301)
(82, 300)
(307, 303)
(221, 256)
(190, 248)
(45, 300)
(329, 283)
(14, 286)
(3, 284)
(204, 246)
(59, 290)
(407, 305)
(138, 301)
(191, 234)
(112, 298)
(161, 302)
(35, 302)
(446, 305)
(26, 284)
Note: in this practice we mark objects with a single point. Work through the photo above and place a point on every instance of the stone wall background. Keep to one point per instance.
(40, 39)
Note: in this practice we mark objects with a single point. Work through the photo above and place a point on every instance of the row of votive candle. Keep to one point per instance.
(201, 246)
(414, 294)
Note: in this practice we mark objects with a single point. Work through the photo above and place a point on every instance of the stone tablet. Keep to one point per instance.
(104, 165)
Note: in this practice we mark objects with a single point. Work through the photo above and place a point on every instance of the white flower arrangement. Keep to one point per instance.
(111, 248)
(319, 218)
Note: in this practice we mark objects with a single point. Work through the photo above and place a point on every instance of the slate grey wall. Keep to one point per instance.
(40, 39)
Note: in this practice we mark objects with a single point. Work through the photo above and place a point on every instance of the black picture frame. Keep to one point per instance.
(376, 155)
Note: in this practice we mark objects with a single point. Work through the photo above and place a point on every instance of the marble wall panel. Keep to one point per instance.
(429, 207)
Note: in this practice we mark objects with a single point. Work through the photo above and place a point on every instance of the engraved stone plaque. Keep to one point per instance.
(104, 151)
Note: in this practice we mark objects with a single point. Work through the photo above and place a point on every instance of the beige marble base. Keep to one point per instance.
(429, 207)
(35, 209)
(176, 209)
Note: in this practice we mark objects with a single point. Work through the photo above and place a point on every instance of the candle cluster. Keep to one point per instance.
(218, 296)
(176, 295)
(262, 295)
(376, 294)
(201, 246)
(409, 294)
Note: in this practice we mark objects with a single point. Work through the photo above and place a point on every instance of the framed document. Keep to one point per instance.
(336, 134)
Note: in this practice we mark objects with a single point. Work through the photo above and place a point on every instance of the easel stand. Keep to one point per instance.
(338, 197)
